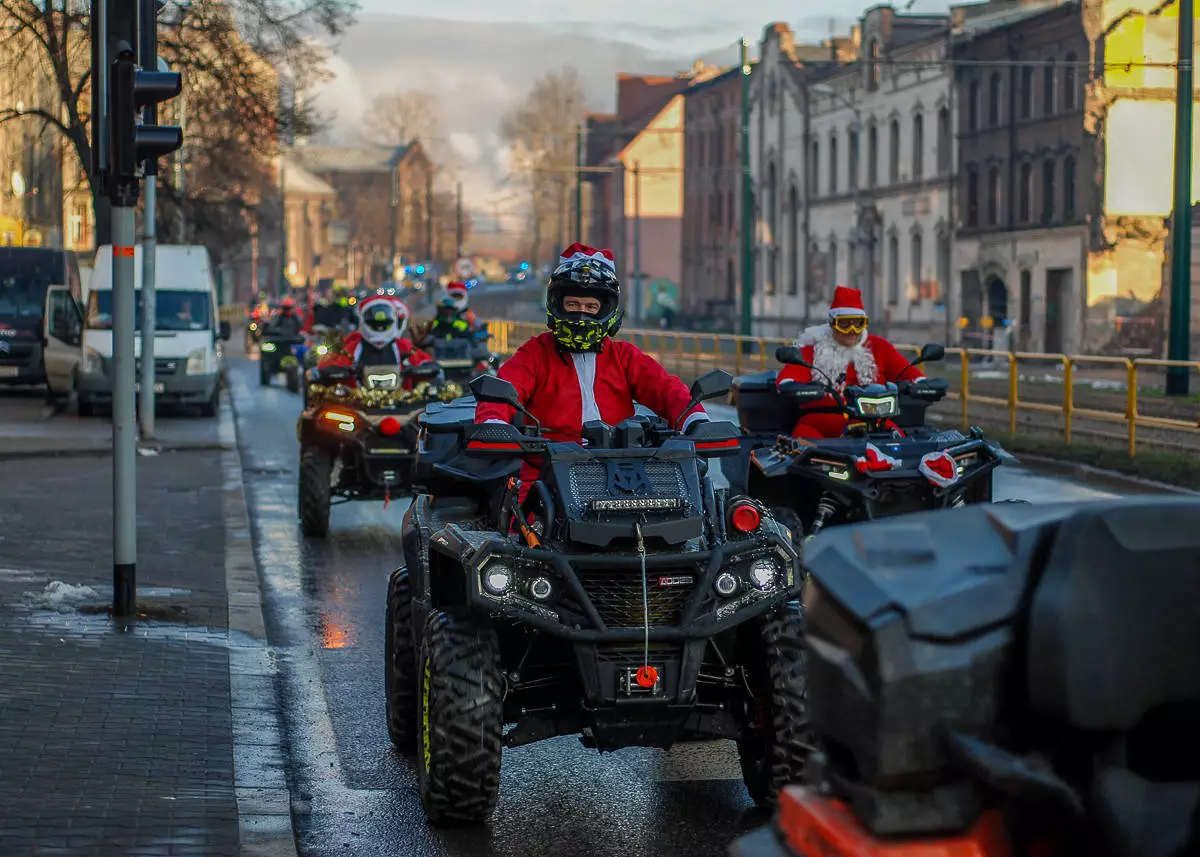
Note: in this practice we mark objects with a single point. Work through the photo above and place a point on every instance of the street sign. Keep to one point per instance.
(464, 268)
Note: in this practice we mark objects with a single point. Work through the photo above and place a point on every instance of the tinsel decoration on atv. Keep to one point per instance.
(365, 399)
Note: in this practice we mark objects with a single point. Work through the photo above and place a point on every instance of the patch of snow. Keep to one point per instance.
(64, 597)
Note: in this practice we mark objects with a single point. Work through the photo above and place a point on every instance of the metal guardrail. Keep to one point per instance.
(699, 352)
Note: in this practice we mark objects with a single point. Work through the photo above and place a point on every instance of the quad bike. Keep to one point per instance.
(889, 462)
(277, 354)
(1002, 681)
(625, 600)
(358, 442)
(464, 357)
(321, 342)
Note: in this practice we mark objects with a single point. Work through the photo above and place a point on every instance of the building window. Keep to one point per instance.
(1070, 83)
(854, 171)
(875, 73)
(916, 288)
(833, 165)
(833, 262)
(872, 156)
(994, 112)
(772, 200)
(973, 106)
(945, 142)
(793, 286)
(814, 169)
(1048, 171)
(1027, 94)
(938, 289)
(1025, 308)
(893, 269)
(993, 200)
(894, 152)
(972, 196)
(1069, 188)
(918, 153)
(1025, 194)
(1048, 89)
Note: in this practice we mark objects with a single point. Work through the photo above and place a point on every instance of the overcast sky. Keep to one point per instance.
(669, 24)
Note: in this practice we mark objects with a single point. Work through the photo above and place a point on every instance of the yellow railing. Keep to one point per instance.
(698, 352)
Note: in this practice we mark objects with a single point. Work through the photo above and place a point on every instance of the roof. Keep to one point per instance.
(298, 180)
(722, 77)
(986, 22)
(349, 159)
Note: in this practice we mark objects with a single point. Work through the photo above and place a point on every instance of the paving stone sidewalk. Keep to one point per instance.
(119, 739)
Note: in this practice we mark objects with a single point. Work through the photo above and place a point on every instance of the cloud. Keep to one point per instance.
(342, 96)
(467, 146)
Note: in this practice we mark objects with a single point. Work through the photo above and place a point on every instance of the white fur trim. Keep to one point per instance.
(834, 359)
(877, 455)
(838, 312)
(698, 417)
(932, 475)
(495, 422)
(597, 257)
(585, 371)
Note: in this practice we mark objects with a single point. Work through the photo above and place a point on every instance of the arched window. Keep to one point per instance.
(1049, 169)
(893, 293)
(875, 73)
(872, 156)
(894, 152)
(793, 285)
(916, 264)
(993, 201)
(833, 164)
(1070, 83)
(1025, 194)
(972, 195)
(994, 92)
(814, 169)
(832, 264)
(1069, 188)
(973, 106)
(918, 152)
(1048, 89)
(945, 142)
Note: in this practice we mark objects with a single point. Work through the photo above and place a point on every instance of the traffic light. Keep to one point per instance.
(132, 142)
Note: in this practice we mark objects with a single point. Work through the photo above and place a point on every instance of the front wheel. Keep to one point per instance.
(458, 760)
(293, 379)
(777, 741)
(264, 375)
(400, 667)
(316, 472)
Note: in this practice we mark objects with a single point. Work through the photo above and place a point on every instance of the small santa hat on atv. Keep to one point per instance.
(939, 468)
(581, 252)
(456, 288)
(846, 301)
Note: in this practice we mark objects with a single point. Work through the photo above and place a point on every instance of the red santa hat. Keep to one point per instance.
(875, 460)
(581, 252)
(939, 468)
(396, 303)
(846, 301)
(456, 287)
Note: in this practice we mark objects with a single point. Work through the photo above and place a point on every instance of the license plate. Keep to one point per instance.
(455, 364)
(9, 371)
(159, 386)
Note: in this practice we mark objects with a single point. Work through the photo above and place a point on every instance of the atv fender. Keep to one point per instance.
(414, 536)
(448, 550)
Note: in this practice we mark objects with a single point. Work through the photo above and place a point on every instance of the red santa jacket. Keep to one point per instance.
(873, 361)
(564, 390)
(406, 354)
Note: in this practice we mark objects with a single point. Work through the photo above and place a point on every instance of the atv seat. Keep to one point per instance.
(1114, 652)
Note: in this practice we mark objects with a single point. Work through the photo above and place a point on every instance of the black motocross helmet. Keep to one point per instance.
(584, 272)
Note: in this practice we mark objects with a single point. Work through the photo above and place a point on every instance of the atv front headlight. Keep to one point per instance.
(764, 573)
(498, 578)
(322, 350)
(269, 347)
(878, 406)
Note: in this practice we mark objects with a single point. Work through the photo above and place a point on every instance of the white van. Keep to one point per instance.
(188, 349)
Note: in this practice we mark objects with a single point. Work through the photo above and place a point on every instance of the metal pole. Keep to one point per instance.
(395, 217)
(458, 229)
(1179, 342)
(578, 182)
(179, 188)
(148, 59)
(747, 321)
(124, 424)
(429, 218)
(637, 243)
(283, 236)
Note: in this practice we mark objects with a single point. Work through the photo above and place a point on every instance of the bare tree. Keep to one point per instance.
(541, 134)
(228, 52)
(398, 118)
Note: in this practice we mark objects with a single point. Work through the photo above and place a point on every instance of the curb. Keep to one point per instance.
(1098, 475)
(259, 756)
(106, 451)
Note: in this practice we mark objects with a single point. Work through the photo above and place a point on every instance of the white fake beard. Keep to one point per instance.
(834, 359)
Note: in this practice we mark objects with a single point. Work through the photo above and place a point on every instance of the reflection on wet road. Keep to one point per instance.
(352, 794)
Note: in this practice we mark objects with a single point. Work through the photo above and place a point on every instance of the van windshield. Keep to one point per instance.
(173, 310)
(25, 274)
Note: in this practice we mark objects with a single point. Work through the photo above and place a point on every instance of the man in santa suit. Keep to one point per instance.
(380, 339)
(576, 371)
(848, 354)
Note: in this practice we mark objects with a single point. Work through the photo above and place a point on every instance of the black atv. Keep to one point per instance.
(358, 442)
(277, 353)
(815, 483)
(463, 357)
(626, 600)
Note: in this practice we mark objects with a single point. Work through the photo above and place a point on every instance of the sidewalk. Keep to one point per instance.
(156, 738)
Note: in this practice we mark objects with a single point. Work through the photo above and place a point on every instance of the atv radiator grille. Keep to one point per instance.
(617, 596)
(589, 481)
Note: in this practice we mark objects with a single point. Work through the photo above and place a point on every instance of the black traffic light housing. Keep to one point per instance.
(132, 89)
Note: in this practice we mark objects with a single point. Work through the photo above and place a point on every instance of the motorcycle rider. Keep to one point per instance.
(453, 317)
(846, 352)
(288, 322)
(336, 311)
(380, 338)
(576, 372)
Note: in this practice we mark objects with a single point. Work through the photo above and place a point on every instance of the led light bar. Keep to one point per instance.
(882, 406)
(644, 504)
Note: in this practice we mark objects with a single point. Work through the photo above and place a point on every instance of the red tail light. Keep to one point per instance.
(390, 426)
(745, 518)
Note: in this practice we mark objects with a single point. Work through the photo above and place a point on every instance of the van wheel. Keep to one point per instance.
(209, 408)
(83, 406)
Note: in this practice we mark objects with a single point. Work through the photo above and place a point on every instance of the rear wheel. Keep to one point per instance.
(316, 469)
(791, 520)
(777, 741)
(293, 378)
(400, 667)
(459, 752)
(264, 376)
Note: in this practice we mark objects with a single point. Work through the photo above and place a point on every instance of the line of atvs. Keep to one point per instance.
(971, 680)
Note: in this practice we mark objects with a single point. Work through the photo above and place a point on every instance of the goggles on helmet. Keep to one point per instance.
(849, 323)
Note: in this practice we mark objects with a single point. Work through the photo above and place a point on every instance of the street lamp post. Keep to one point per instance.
(1179, 340)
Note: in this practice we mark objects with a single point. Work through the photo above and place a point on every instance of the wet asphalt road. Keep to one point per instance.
(352, 794)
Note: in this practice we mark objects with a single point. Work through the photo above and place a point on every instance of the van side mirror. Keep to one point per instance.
(224, 330)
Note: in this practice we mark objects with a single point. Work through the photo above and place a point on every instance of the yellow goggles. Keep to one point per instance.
(849, 323)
